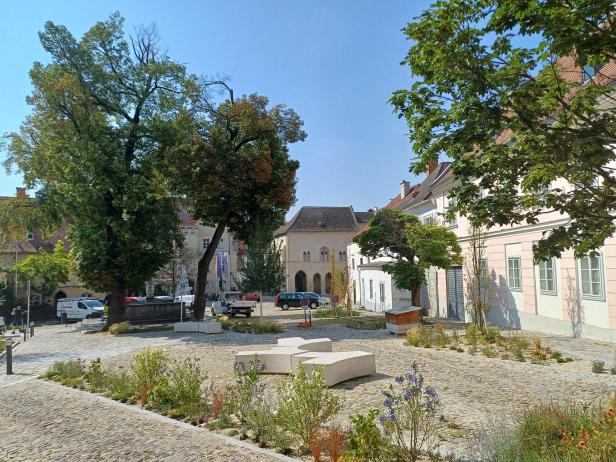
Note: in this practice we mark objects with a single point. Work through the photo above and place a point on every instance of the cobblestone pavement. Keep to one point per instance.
(43, 421)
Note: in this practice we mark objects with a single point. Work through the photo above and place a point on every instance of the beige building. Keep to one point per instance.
(308, 240)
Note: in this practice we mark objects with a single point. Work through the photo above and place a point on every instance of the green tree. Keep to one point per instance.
(263, 270)
(46, 271)
(412, 246)
(104, 110)
(235, 168)
(503, 88)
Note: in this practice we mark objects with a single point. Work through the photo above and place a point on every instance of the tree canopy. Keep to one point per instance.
(46, 271)
(412, 246)
(235, 168)
(517, 95)
(104, 110)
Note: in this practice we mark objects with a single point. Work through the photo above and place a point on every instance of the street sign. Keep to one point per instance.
(336, 298)
(305, 301)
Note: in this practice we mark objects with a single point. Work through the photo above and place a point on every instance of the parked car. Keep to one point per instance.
(286, 300)
(232, 303)
(79, 308)
(131, 299)
(252, 297)
(188, 300)
(164, 298)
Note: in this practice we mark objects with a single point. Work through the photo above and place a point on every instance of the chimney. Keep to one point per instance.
(20, 193)
(432, 166)
(405, 187)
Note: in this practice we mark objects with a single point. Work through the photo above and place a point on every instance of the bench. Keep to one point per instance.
(316, 344)
(278, 360)
(337, 366)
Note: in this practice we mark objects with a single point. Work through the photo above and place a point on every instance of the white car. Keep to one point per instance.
(186, 299)
(79, 308)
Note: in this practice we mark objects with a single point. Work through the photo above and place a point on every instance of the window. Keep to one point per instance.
(483, 273)
(324, 254)
(547, 279)
(361, 260)
(590, 71)
(353, 263)
(342, 255)
(591, 274)
(221, 242)
(306, 256)
(382, 291)
(206, 243)
(428, 220)
(514, 272)
(371, 290)
(482, 193)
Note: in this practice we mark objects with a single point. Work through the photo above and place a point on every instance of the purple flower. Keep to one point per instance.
(411, 378)
(399, 379)
(408, 394)
(392, 416)
(431, 392)
(388, 402)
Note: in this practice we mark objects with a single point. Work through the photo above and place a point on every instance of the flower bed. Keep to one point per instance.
(490, 343)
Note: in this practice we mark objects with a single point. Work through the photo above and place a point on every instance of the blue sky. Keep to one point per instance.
(335, 62)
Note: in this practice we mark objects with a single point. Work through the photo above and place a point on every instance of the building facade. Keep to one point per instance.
(311, 240)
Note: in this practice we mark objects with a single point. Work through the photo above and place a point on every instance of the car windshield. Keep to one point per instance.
(233, 296)
(93, 303)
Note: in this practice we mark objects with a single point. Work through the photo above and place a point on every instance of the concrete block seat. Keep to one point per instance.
(337, 366)
(205, 327)
(278, 360)
(315, 344)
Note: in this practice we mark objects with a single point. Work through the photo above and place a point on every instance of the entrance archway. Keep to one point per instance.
(59, 294)
(316, 282)
(300, 282)
(328, 283)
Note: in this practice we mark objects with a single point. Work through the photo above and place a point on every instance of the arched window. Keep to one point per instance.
(342, 255)
(306, 255)
(328, 283)
(324, 254)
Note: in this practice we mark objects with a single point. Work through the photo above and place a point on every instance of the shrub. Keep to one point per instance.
(68, 373)
(598, 366)
(488, 351)
(95, 376)
(366, 442)
(455, 337)
(305, 404)
(613, 370)
(148, 366)
(441, 336)
(593, 442)
(120, 328)
(492, 335)
(518, 346)
(409, 419)
(425, 336)
(335, 442)
(120, 386)
(334, 312)
(412, 337)
(471, 334)
(263, 326)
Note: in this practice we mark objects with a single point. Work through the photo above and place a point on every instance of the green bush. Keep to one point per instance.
(492, 335)
(334, 312)
(365, 440)
(148, 366)
(366, 323)
(472, 334)
(95, 376)
(412, 337)
(488, 352)
(2, 345)
(120, 386)
(305, 404)
(426, 336)
(252, 326)
(66, 372)
(120, 328)
(598, 366)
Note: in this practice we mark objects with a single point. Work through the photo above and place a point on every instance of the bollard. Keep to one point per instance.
(9, 358)
(25, 333)
(31, 330)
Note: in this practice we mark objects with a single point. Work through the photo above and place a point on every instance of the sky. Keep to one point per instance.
(336, 62)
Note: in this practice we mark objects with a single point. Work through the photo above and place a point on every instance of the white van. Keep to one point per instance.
(79, 308)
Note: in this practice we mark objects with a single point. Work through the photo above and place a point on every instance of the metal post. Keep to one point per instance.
(9, 357)
(25, 334)
(28, 315)
(181, 309)
(32, 330)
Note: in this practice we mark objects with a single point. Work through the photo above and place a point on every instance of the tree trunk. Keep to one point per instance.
(202, 270)
(416, 295)
(117, 310)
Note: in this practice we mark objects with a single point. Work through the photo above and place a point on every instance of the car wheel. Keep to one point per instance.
(285, 307)
(313, 305)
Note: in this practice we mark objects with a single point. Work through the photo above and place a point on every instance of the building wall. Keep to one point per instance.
(565, 311)
(295, 243)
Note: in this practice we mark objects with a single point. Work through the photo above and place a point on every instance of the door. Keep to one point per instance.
(455, 293)
(81, 311)
(433, 291)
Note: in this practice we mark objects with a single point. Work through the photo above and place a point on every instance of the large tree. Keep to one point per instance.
(515, 92)
(236, 168)
(103, 111)
(411, 245)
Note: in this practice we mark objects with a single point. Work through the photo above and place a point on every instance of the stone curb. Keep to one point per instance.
(227, 439)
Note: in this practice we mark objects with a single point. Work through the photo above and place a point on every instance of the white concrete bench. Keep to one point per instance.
(278, 360)
(337, 366)
(315, 344)
(205, 327)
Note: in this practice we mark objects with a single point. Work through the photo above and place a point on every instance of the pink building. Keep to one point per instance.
(565, 296)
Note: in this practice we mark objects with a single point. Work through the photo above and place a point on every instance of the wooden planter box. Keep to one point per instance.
(399, 320)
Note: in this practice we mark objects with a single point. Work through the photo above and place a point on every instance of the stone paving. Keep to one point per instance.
(473, 389)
